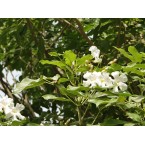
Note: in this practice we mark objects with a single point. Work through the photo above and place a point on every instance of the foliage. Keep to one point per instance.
(65, 79)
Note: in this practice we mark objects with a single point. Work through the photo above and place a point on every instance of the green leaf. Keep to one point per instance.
(62, 80)
(99, 94)
(136, 56)
(124, 94)
(53, 54)
(129, 124)
(57, 63)
(2, 56)
(133, 70)
(83, 69)
(62, 89)
(142, 87)
(82, 60)
(79, 88)
(18, 123)
(98, 102)
(134, 116)
(33, 124)
(121, 99)
(70, 57)
(89, 27)
(68, 92)
(112, 101)
(137, 99)
(53, 97)
(53, 62)
(103, 101)
(74, 93)
(112, 122)
(126, 54)
(28, 83)
(115, 67)
(139, 66)
(130, 105)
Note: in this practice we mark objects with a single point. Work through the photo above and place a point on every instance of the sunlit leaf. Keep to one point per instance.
(136, 56)
(28, 83)
(70, 57)
(134, 116)
(126, 54)
(75, 88)
(53, 97)
(83, 59)
(53, 54)
(137, 99)
(62, 80)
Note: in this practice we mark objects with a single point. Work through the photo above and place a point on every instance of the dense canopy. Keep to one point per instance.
(72, 71)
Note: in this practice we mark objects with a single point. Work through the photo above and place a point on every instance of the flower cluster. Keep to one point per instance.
(115, 81)
(11, 111)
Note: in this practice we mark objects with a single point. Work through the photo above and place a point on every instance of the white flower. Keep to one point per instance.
(119, 81)
(95, 52)
(7, 106)
(87, 75)
(5, 102)
(92, 78)
(14, 112)
(78, 73)
(104, 80)
(56, 77)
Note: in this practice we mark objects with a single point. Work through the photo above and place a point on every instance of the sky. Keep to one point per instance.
(16, 74)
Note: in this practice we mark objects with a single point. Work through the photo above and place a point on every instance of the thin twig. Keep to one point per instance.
(95, 118)
(85, 111)
(60, 34)
(97, 115)
(79, 115)
(118, 36)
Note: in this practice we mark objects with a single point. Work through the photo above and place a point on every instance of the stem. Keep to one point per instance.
(70, 99)
(96, 118)
(97, 115)
(28, 105)
(118, 35)
(79, 115)
(85, 112)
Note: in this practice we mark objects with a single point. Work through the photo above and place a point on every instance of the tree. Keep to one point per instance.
(49, 53)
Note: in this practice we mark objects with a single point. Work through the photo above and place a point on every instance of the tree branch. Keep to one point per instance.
(7, 90)
(60, 34)
(28, 105)
(30, 26)
(79, 29)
